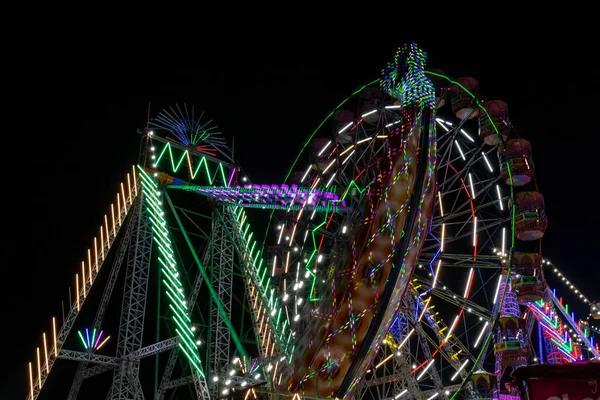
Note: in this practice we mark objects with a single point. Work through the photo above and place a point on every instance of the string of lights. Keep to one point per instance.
(594, 309)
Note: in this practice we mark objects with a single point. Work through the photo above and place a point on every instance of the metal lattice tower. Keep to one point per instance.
(221, 265)
(126, 376)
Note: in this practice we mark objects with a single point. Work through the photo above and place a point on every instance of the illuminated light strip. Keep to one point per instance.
(443, 225)
(384, 360)
(31, 379)
(480, 334)
(434, 396)
(432, 361)
(77, 290)
(90, 265)
(402, 393)
(393, 107)
(459, 149)
(83, 277)
(437, 271)
(112, 213)
(46, 352)
(499, 197)
(331, 179)
(439, 121)
(369, 113)
(166, 257)
(347, 158)
(472, 186)
(364, 140)
(497, 289)
(469, 281)
(467, 135)
(323, 149)
(451, 328)
(460, 369)
(475, 232)
(487, 162)
(346, 127)
(39, 369)
(306, 173)
(96, 253)
(54, 336)
(347, 150)
(326, 168)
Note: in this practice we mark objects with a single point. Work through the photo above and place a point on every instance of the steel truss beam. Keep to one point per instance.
(80, 375)
(221, 266)
(88, 357)
(69, 319)
(133, 310)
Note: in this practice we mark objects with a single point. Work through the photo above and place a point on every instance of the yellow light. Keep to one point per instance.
(31, 380)
(129, 189)
(83, 276)
(54, 335)
(123, 194)
(37, 350)
(107, 232)
(119, 209)
(134, 180)
(102, 344)
(90, 265)
(112, 213)
(46, 353)
(96, 253)
(102, 243)
(77, 290)
(189, 164)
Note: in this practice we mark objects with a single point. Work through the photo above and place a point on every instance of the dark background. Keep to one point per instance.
(76, 109)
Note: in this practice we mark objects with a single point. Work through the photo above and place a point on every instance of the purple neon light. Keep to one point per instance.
(98, 339)
(286, 195)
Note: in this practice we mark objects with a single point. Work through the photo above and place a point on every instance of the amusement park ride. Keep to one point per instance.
(401, 261)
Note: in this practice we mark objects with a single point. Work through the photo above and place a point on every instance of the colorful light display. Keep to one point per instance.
(169, 270)
(281, 197)
(92, 339)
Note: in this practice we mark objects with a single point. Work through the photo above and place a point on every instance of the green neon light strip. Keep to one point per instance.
(207, 282)
(160, 236)
(186, 155)
(256, 261)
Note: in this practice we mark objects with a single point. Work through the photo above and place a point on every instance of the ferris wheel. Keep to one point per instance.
(364, 324)
(402, 259)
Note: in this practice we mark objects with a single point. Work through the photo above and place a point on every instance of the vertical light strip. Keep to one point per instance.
(83, 277)
(96, 253)
(31, 380)
(112, 213)
(129, 189)
(134, 180)
(39, 369)
(90, 265)
(124, 198)
(77, 290)
(474, 231)
(472, 186)
(107, 231)
(118, 209)
(54, 337)
(46, 352)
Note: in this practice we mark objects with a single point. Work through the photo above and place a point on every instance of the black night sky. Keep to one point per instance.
(78, 111)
